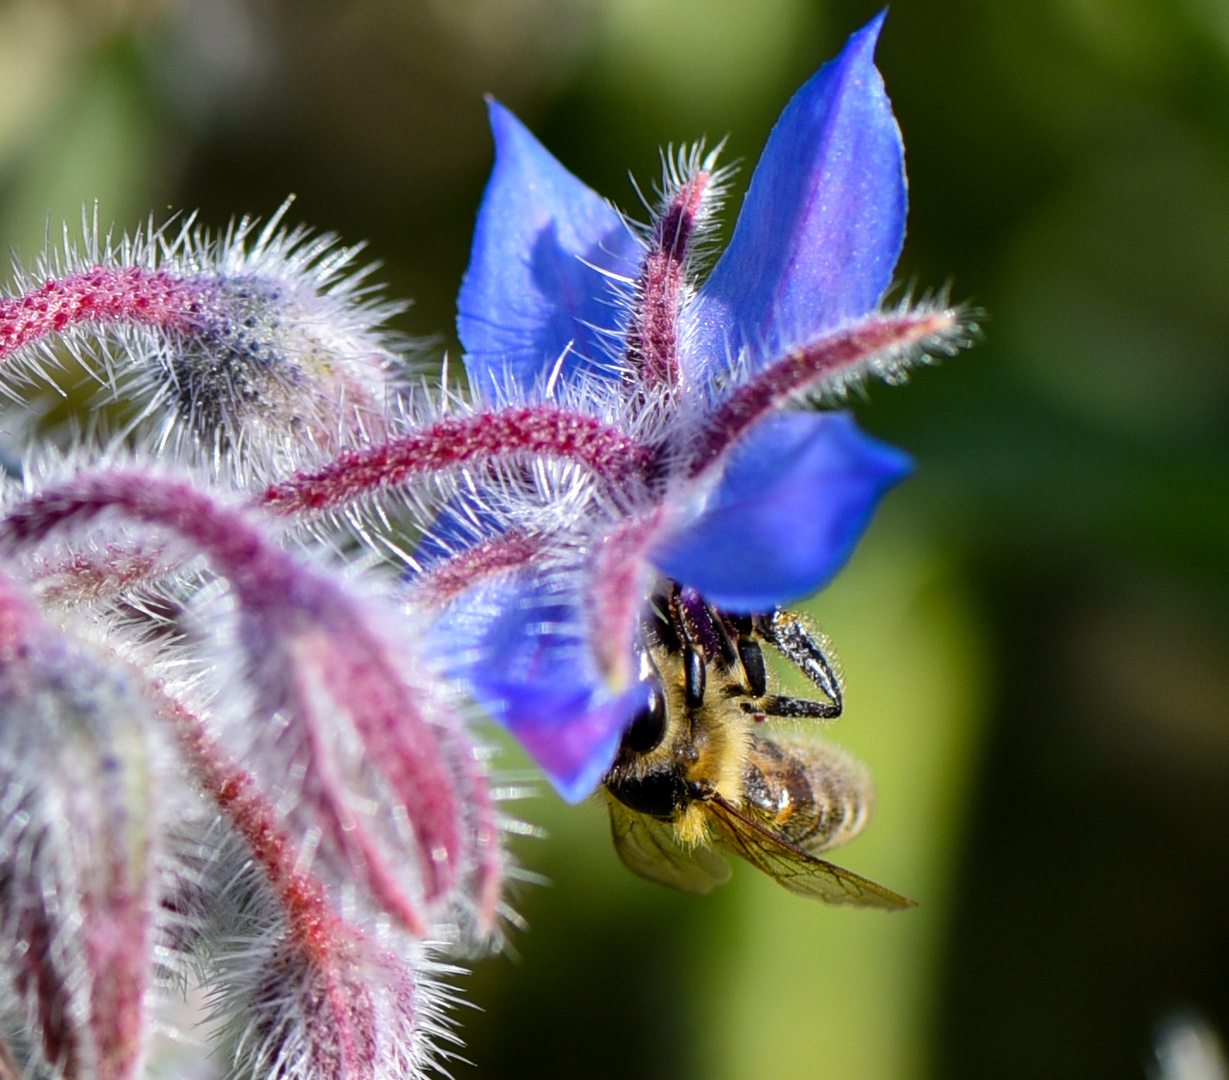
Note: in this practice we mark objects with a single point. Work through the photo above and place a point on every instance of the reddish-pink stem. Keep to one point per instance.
(652, 336)
(99, 295)
(302, 896)
(405, 746)
(113, 895)
(317, 934)
(270, 585)
(540, 430)
(617, 590)
(442, 584)
(257, 569)
(334, 812)
(98, 575)
(807, 368)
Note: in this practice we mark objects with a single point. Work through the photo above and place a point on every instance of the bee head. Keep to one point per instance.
(646, 777)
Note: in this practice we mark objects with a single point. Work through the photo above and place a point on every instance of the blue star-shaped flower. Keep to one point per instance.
(703, 463)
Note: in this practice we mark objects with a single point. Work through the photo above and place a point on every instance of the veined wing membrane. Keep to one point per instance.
(648, 848)
(796, 869)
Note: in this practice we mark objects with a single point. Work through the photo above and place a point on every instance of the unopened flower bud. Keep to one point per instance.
(79, 836)
(248, 355)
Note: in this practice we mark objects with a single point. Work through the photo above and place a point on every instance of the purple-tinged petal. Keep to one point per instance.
(822, 224)
(572, 732)
(519, 649)
(533, 289)
(796, 495)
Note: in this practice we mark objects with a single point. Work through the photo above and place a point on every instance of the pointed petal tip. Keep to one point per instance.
(516, 147)
(822, 223)
(535, 289)
(578, 787)
(870, 32)
(576, 749)
(859, 50)
(503, 120)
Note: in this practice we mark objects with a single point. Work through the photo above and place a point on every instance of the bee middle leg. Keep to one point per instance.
(792, 707)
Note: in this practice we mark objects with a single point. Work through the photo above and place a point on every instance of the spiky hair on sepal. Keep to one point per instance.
(251, 351)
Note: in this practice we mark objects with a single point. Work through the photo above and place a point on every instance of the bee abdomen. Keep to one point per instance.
(816, 798)
(843, 799)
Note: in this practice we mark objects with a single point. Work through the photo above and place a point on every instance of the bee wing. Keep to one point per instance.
(648, 848)
(797, 870)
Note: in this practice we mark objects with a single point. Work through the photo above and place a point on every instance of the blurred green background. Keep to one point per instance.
(1035, 633)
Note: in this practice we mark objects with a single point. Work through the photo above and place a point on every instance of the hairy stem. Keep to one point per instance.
(652, 337)
(829, 362)
(531, 430)
(99, 295)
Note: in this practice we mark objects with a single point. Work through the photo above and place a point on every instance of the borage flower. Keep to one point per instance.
(628, 431)
(663, 428)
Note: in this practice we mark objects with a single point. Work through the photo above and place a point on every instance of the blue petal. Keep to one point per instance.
(531, 291)
(795, 497)
(518, 651)
(822, 224)
(572, 737)
(462, 523)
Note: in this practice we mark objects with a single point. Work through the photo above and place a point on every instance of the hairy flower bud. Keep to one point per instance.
(337, 1007)
(79, 836)
(247, 354)
(626, 420)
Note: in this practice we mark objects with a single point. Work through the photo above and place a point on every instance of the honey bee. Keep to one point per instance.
(695, 773)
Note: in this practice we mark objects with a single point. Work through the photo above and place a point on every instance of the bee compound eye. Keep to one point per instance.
(648, 727)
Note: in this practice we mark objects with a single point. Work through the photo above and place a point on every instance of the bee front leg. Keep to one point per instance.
(810, 654)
